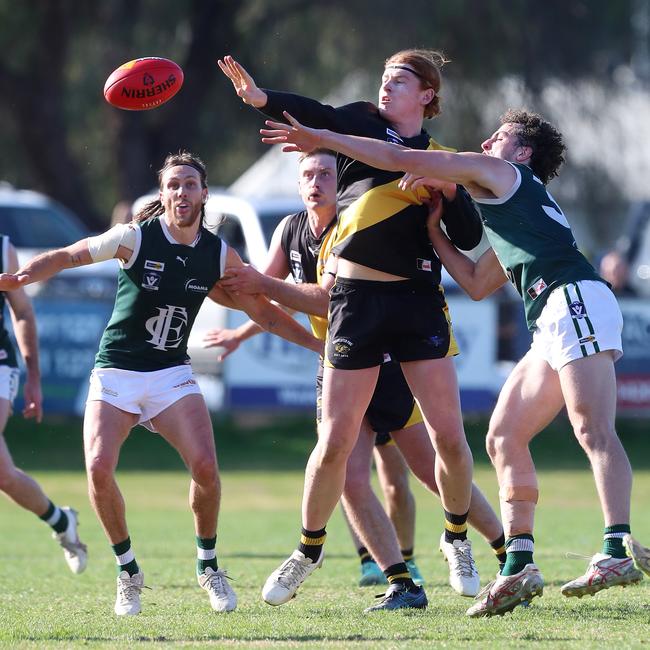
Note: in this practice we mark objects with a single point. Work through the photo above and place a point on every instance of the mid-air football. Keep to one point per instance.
(142, 84)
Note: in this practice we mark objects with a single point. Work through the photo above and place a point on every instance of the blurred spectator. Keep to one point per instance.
(121, 213)
(615, 269)
(627, 266)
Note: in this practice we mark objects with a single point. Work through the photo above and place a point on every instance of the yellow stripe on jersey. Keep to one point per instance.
(379, 203)
(318, 323)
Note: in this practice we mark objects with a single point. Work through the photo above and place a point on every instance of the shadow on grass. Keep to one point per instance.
(279, 443)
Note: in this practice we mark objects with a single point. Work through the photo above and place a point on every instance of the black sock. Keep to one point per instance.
(399, 574)
(499, 548)
(455, 527)
(407, 554)
(311, 543)
(364, 555)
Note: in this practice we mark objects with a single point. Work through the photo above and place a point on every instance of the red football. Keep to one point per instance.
(142, 84)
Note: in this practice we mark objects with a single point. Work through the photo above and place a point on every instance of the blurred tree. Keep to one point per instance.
(66, 141)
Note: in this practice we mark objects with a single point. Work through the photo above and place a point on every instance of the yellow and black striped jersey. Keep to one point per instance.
(380, 226)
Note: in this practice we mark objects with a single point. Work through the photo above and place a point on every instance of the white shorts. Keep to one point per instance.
(9, 381)
(146, 394)
(578, 320)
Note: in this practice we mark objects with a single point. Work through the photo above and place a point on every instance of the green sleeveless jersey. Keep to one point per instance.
(7, 352)
(159, 293)
(533, 241)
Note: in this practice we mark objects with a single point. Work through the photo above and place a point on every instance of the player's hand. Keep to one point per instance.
(413, 182)
(242, 279)
(33, 400)
(222, 338)
(11, 281)
(435, 205)
(242, 82)
(294, 136)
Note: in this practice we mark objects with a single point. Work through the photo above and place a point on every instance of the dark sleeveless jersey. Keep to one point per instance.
(159, 294)
(303, 249)
(379, 225)
(533, 241)
(7, 352)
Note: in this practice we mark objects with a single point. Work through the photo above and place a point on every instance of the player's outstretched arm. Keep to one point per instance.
(24, 322)
(242, 82)
(468, 169)
(44, 266)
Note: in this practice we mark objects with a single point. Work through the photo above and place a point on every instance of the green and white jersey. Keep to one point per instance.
(159, 293)
(533, 241)
(7, 352)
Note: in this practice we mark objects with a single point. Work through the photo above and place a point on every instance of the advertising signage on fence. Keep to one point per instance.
(633, 369)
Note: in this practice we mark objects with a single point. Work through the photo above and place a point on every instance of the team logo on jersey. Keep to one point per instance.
(192, 285)
(393, 136)
(342, 347)
(151, 281)
(150, 265)
(423, 265)
(296, 267)
(577, 309)
(167, 328)
(536, 289)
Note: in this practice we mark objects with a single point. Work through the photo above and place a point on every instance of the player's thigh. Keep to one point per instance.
(392, 470)
(360, 458)
(434, 384)
(418, 452)
(346, 395)
(105, 429)
(589, 389)
(186, 425)
(529, 400)
(6, 461)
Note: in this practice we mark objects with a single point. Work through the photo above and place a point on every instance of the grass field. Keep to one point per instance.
(43, 605)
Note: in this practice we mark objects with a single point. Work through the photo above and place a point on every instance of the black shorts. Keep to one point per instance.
(392, 406)
(405, 319)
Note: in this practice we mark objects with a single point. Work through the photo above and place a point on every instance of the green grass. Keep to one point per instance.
(43, 605)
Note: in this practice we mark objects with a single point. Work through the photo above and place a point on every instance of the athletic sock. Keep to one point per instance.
(55, 518)
(206, 556)
(455, 527)
(311, 543)
(364, 555)
(519, 553)
(407, 554)
(613, 540)
(125, 557)
(399, 574)
(499, 548)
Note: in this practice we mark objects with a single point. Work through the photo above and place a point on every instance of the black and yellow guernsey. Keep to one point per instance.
(304, 254)
(533, 241)
(7, 352)
(159, 293)
(379, 225)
